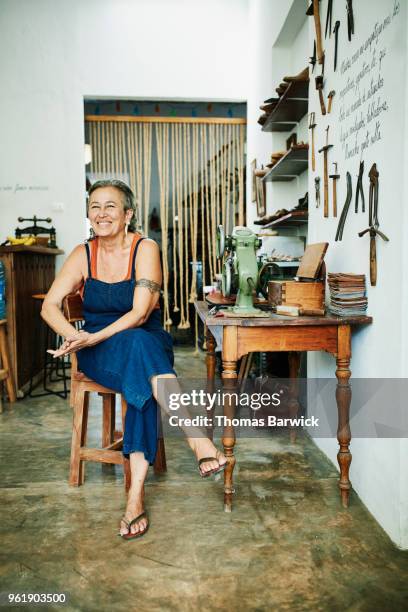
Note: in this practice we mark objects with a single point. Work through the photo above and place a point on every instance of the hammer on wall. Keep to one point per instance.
(325, 149)
(319, 87)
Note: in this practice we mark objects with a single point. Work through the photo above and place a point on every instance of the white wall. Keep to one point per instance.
(377, 472)
(53, 53)
(379, 467)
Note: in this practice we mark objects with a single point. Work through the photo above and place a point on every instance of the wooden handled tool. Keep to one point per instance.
(318, 27)
(312, 312)
(335, 177)
(330, 98)
(294, 310)
(373, 259)
(373, 223)
(312, 125)
(319, 87)
(326, 147)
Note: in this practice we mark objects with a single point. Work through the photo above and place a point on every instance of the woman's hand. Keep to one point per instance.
(81, 339)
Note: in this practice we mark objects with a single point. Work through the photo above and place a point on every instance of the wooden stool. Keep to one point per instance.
(5, 365)
(112, 440)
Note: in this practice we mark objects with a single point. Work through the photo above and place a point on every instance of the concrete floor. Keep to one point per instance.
(288, 544)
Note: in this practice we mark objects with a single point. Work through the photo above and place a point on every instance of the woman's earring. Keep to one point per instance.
(126, 228)
(91, 234)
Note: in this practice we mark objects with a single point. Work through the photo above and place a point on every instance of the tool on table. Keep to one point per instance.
(359, 189)
(325, 149)
(343, 216)
(335, 177)
(330, 97)
(317, 190)
(312, 125)
(240, 270)
(313, 57)
(294, 310)
(373, 223)
(319, 87)
(329, 18)
(336, 42)
(36, 230)
(350, 19)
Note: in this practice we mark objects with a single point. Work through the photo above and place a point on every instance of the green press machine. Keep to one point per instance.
(240, 273)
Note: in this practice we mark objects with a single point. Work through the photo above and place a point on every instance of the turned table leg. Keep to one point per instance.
(293, 404)
(229, 379)
(210, 360)
(343, 399)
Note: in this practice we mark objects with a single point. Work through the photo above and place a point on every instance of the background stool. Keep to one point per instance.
(6, 373)
(50, 365)
(112, 440)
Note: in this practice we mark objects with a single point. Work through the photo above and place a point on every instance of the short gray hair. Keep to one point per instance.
(128, 197)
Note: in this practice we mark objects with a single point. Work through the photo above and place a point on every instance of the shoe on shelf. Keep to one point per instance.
(302, 76)
(267, 108)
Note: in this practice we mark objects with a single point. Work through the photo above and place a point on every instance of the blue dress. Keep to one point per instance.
(126, 361)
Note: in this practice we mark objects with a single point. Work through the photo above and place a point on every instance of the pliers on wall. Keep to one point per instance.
(359, 189)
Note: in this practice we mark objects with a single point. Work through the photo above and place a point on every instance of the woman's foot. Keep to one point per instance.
(204, 447)
(135, 506)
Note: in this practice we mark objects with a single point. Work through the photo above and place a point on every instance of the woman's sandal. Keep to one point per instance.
(217, 470)
(138, 534)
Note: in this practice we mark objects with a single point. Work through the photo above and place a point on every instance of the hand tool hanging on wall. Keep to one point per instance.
(312, 125)
(359, 189)
(325, 149)
(329, 18)
(373, 223)
(317, 191)
(335, 177)
(350, 19)
(319, 87)
(314, 10)
(332, 93)
(313, 57)
(336, 42)
(343, 216)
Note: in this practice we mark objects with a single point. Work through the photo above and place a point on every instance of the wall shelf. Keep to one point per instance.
(292, 106)
(289, 166)
(292, 219)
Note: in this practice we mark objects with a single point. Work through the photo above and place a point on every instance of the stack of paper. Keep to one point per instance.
(347, 294)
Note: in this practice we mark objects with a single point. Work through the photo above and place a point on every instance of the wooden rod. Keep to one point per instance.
(206, 120)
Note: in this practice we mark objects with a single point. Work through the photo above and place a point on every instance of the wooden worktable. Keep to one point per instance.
(241, 336)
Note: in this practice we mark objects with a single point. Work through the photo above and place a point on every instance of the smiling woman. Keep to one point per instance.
(123, 345)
